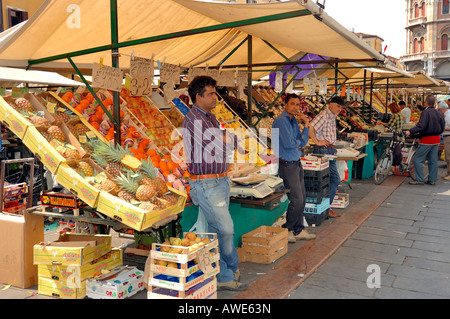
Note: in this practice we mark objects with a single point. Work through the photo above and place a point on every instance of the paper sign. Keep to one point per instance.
(142, 67)
(226, 78)
(170, 73)
(140, 85)
(107, 77)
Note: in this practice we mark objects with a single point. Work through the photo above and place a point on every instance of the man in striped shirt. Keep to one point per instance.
(207, 148)
(323, 133)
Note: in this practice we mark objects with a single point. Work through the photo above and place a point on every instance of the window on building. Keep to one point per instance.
(416, 11)
(444, 42)
(16, 16)
(422, 9)
(416, 46)
(421, 44)
(445, 6)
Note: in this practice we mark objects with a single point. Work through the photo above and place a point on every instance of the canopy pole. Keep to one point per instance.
(387, 96)
(364, 96)
(115, 64)
(108, 113)
(249, 79)
(371, 95)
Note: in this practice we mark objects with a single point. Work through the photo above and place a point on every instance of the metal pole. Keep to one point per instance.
(364, 94)
(371, 95)
(249, 77)
(115, 64)
(387, 95)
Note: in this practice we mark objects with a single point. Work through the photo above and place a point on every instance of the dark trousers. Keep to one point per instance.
(293, 179)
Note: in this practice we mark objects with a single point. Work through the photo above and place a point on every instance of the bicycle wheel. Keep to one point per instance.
(412, 170)
(383, 168)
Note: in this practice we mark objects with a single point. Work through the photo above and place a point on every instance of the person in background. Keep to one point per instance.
(290, 169)
(396, 122)
(430, 126)
(444, 109)
(406, 112)
(323, 133)
(185, 100)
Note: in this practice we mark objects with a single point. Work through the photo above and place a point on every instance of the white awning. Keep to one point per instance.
(11, 77)
(53, 30)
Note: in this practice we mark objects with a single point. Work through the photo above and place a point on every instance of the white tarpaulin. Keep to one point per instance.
(63, 26)
(11, 77)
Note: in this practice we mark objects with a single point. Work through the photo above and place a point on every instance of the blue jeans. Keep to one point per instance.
(335, 180)
(422, 153)
(213, 197)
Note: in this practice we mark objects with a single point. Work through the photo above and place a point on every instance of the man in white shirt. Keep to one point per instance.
(406, 112)
(444, 109)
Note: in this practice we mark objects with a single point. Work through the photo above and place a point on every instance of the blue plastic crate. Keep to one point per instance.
(317, 208)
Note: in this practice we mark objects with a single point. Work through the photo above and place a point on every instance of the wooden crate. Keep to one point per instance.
(265, 244)
(194, 277)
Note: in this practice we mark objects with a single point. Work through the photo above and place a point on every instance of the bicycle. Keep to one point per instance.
(406, 166)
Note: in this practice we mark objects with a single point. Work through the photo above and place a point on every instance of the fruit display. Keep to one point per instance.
(158, 128)
(89, 167)
(184, 267)
(174, 115)
(132, 180)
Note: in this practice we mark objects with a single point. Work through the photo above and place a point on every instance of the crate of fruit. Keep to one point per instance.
(179, 268)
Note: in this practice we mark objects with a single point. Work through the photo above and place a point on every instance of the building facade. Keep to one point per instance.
(427, 37)
(13, 12)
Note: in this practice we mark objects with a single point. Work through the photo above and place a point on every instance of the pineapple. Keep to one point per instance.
(172, 199)
(71, 154)
(147, 206)
(108, 186)
(161, 203)
(151, 178)
(85, 169)
(23, 104)
(56, 133)
(116, 153)
(128, 186)
(145, 193)
(38, 120)
(100, 153)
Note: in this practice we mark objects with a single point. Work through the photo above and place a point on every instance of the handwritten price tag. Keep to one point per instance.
(140, 85)
(107, 77)
(204, 262)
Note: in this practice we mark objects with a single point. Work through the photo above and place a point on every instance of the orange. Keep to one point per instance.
(84, 103)
(186, 174)
(171, 166)
(151, 152)
(79, 109)
(95, 125)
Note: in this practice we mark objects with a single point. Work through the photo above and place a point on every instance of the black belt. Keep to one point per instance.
(283, 161)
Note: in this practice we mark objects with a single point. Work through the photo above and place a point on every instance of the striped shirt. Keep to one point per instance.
(325, 126)
(206, 152)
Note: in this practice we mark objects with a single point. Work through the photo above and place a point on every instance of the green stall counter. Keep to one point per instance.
(245, 219)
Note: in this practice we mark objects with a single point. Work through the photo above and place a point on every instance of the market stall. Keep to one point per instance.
(138, 197)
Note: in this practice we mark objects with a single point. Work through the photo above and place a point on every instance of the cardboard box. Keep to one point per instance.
(15, 122)
(341, 200)
(72, 249)
(60, 289)
(134, 217)
(74, 273)
(315, 165)
(19, 234)
(122, 282)
(70, 179)
(265, 244)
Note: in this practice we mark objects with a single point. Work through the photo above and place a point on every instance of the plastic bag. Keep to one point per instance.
(342, 168)
(201, 225)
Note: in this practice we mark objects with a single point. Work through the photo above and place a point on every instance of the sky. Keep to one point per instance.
(384, 18)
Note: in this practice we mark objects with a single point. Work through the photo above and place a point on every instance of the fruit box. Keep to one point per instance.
(49, 156)
(77, 274)
(60, 289)
(121, 282)
(72, 249)
(71, 180)
(134, 217)
(265, 244)
(15, 122)
(194, 266)
(204, 290)
(341, 200)
(315, 165)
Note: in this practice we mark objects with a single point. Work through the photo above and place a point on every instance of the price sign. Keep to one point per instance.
(140, 85)
(142, 67)
(204, 262)
(107, 77)
(170, 73)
